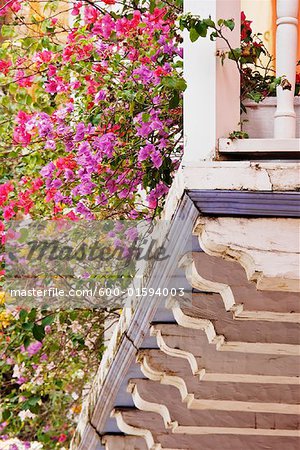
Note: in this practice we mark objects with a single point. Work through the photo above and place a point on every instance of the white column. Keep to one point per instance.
(286, 57)
(211, 100)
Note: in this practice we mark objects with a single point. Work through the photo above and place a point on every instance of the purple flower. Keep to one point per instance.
(50, 145)
(86, 187)
(84, 210)
(144, 129)
(131, 233)
(144, 74)
(34, 348)
(45, 126)
(118, 243)
(156, 159)
(156, 100)
(162, 144)
(83, 148)
(119, 227)
(80, 132)
(101, 199)
(124, 193)
(69, 145)
(111, 186)
(69, 175)
(105, 144)
(47, 171)
(3, 425)
(101, 95)
(56, 183)
(145, 152)
(160, 190)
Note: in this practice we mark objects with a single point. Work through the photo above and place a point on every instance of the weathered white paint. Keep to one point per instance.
(249, 242)
(211, 100)
(129, 429)
(286, 57)
(234, 175)
(175, 352)
(144, 405)
(220, 342)
(194, 403)
(163, 411)
(231, 304)
(271, 146)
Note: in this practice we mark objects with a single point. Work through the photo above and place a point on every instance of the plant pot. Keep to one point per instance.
(260, 118)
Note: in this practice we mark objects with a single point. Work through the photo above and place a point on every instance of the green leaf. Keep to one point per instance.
(201, 29)
(235, 54)
(209, 22)
(23, 315)
(23, 235)
(32, 315)
(255, 96)
(26, 341)
(6, 414)
(174, 102)
(194, 34)
(27, 42)
(27, 326)
(145, 117)
(33, 400)
(229, 24)
(7, 31)
(48, 320)
(38, 332)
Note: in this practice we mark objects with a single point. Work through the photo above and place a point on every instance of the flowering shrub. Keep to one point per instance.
(91, 127)
(44, 357)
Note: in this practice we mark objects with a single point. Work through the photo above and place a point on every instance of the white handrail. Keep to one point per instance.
(286, 57)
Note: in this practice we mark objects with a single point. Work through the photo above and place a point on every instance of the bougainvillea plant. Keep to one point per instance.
(91, 118)
(91, 128)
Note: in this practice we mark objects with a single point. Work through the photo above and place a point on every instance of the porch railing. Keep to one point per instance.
(286, 56)
(212, 97)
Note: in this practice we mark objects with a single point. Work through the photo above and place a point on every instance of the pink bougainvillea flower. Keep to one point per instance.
(8, 212)
(76, 8)
(62, 438)
(4, 66)
(22, 79)
(45, 56)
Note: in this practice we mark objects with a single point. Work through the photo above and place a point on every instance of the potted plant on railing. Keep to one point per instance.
(257, 74)
(258, 84)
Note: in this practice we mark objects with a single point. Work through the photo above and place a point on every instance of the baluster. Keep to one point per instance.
(286, 57)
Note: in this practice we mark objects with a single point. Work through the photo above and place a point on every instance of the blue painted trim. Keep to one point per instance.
(246, 203)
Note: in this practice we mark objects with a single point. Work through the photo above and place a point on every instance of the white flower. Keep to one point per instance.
(79, 374)
(76, 327)
(16, 372)
(27, 414)
(75, 396)
(50, 366)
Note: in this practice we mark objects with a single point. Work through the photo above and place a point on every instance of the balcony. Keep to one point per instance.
(273, 125)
